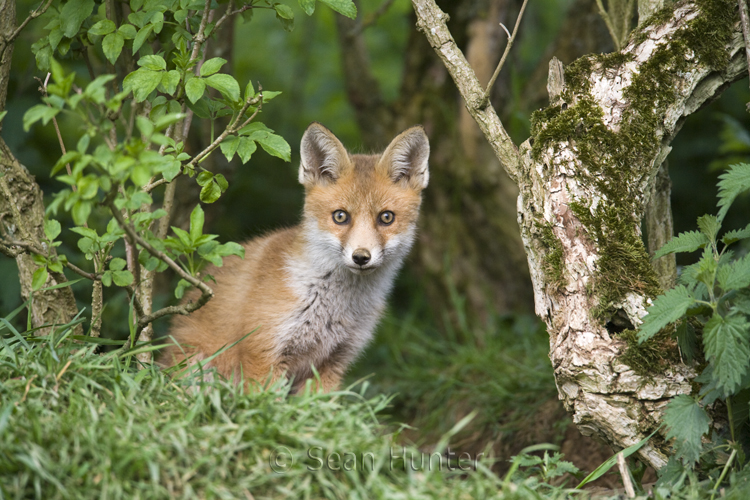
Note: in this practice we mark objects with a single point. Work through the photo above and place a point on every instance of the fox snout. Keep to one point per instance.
(361, 256)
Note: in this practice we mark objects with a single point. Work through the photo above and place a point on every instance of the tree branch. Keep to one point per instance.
(511, 40)
(184, 309)
(745, 23)
(431, 21)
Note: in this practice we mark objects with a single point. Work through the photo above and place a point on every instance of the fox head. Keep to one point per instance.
(361, 210)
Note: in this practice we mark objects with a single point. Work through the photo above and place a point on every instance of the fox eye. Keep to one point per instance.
(386, 218)
(340, 217)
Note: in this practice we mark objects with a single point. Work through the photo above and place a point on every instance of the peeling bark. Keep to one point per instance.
(567, 189)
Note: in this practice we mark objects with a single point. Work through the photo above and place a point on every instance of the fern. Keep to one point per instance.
(685, 242)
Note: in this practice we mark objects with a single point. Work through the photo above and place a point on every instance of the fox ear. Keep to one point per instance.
(406, 158)
(323, 156)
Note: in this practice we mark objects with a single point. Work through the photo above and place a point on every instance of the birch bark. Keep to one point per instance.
(584, 180)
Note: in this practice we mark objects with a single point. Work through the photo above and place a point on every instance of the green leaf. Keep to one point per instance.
(197, 217)
(122, 278)
(204, 178)
(128, 31)
(39, 278)
(736, 235)
(172, 171)
(666, 309)
(194, 89)
(103, 27)
(212, 66)
(276, 145)
(210, 192)
(727, 346)
(117, 264)
(36, 113)
(733, 182)
(687, 340)
(737, 275)
(181, 287)
(81, 211)
(709, 225)
(73, 14)
(142, 82)
(345, 7)
(221, 181)
(140, 175)
(246, 149)
(112, 46)
(141, 37)
(88, 186)
(284, 11)
(229, 146)
(169, 81)
(308, 6)
(687, 423)
(153, 62)
(225, 84)
(52, 229)
(107, 278)
(685, 242)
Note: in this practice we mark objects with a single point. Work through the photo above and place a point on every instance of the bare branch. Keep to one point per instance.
(608, 21)
(34, 14)
(431, 21)
(30, 247)
(511, 40)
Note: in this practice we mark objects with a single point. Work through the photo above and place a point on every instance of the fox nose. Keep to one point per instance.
(361, 256)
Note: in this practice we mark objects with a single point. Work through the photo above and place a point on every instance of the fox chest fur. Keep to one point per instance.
(312, 295)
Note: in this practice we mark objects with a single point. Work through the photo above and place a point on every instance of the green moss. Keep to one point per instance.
(554, 269)
(653, 356)
(615, 162)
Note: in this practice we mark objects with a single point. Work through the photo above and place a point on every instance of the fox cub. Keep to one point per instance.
(314, 293)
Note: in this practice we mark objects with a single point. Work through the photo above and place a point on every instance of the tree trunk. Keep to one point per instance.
(583, 178)
(468, 241)
(22, 208)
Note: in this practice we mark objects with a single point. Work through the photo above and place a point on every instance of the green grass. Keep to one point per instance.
(76, 424)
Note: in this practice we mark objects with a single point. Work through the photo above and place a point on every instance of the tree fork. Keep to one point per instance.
(583, 179)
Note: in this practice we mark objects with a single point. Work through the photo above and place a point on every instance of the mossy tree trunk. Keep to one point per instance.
(584, 179)
(22, 209)
(468, 241)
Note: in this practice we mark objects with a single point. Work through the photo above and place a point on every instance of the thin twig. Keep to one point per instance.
(511, 40)
(35, 249)
(34, 14)
(608, 22)
(206, 292)
(625, 473)
(745, 22)
(43, 89)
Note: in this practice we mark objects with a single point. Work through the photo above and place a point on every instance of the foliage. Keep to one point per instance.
(149, 77)
(714, 295)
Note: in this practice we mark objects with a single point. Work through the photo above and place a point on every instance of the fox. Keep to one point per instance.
(313, 294)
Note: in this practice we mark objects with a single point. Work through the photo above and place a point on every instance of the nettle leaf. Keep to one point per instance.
(212, 66)
(709, 225)
(727, 346)
(142, 82)
(73, 14)
(112, 46)
(194, 89)
(687, 423)
(704, 270)
(737, 276)
(689, 241)
(308, 6)
(666, 309)
(103, 27)
(686, 340)
(225, 84)
(736, 235)
(229, 146)
(344, 7)
(733, 182)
